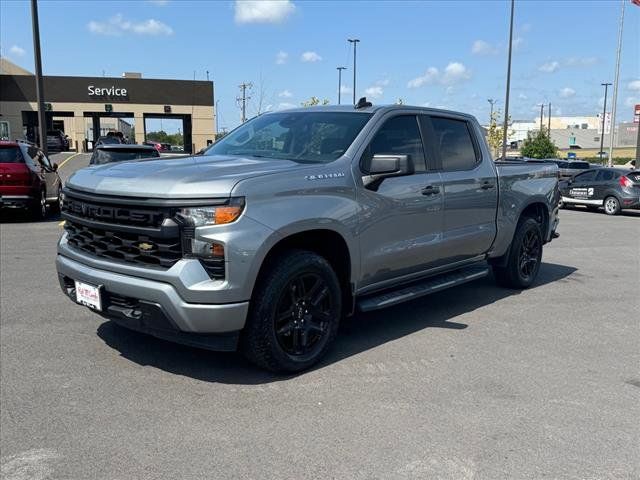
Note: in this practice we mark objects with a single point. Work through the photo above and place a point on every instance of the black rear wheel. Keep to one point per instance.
(524, 257)
(294, 313)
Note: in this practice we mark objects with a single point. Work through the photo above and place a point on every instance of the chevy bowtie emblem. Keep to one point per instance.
(145, 247)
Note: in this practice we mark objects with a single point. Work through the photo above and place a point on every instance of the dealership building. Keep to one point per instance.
(85, 108)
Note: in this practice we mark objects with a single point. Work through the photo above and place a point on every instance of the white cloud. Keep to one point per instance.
(449, 90)
(118, 25)
(310, 57)
(285, 94)
(634, 85)
(549, 67)
(430, 76)
(160, 3)
(631, 101)
(286, 105)
(375, 91)
(522, 96)
(455, 72)
(480, 47)
(581, 61)
(517, 42)
(426, 104)
(263, 11)
(344, 89)
(567, 92)
(281, 57)
(17, 51)
(526, 28)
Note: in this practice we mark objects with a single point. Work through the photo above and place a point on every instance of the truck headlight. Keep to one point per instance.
(218, 215)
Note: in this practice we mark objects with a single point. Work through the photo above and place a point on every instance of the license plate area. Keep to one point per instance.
(89, 295)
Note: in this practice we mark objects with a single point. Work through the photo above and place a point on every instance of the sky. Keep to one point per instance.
(449, 54)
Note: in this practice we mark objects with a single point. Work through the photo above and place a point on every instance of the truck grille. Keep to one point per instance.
(141, 235)
(127, 247)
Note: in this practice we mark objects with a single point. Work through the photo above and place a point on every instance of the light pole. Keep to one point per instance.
(604, 120)
(355, 44)
(42, 128)
(506, 102)
(549, 125)
(340, 82)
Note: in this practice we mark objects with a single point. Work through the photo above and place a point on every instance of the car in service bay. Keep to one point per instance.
(121, 152)
(613, 189)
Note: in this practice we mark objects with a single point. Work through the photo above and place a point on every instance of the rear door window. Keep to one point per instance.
(454, 142)
(11, 155)
(585, 177)
(605, 175)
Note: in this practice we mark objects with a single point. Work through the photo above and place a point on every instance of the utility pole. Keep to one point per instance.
(207, 75)
(604, 122)
(243, 99)
(42, 128)
(549, 124)
(217, 102)
(355, 44)
(492, 102)
(506, 102)
(340, 82)
(615, 87)
(541, 115)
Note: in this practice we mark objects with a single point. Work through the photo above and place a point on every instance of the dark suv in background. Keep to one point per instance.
(28, 179)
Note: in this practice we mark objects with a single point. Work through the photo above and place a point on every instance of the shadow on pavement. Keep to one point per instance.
(357, 334)
(19, 215)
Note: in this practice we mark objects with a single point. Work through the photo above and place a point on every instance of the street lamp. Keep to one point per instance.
(604, 118)
(340, 82)
(506, 102)
(355, 43)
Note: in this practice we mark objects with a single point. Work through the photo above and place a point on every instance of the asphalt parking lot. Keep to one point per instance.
(476, 382)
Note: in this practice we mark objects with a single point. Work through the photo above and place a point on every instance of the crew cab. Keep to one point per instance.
(297, 218)
(28, 179)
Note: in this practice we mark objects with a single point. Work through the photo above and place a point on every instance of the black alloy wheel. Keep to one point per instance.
(303, 315)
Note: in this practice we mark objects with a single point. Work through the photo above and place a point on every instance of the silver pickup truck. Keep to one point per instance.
(297, 218)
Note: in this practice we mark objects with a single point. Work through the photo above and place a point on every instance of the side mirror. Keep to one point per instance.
(384, 166)
(55, 167)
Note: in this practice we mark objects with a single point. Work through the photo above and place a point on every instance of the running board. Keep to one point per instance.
(420, 289)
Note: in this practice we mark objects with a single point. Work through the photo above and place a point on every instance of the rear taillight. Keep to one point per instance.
(625, 181)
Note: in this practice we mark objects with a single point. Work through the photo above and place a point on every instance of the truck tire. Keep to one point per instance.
(524, 257)
(611, 205)
(294, 313)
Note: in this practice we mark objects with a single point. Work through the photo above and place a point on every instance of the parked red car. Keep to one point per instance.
(160, 147)
(28, 179)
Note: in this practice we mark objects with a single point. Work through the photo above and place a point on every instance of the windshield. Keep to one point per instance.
(107, 156)
(314, 137)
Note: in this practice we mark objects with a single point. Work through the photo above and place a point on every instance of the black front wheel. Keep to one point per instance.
(524, 257)
(294, 314)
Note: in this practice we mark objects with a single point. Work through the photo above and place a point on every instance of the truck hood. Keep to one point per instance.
(175, 177)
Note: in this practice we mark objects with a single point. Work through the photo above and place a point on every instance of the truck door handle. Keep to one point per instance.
(487, 185)
(430, 190)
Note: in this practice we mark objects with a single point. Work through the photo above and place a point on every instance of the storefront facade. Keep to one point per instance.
(85, 108)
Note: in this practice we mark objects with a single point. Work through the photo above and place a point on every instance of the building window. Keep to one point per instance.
(596, 139)
(4, 131)
(584, 126)
(572, 140)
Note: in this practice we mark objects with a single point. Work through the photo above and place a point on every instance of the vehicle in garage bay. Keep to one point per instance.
(109, 153)
(612, 189)
(297, 218)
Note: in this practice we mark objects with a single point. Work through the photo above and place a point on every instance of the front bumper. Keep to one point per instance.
(156, 307)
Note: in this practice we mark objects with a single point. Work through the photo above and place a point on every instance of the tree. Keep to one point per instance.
(539, 146)
(313, 101)
(494, 133)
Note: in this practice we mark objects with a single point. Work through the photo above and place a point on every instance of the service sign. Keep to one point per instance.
(110, 92)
